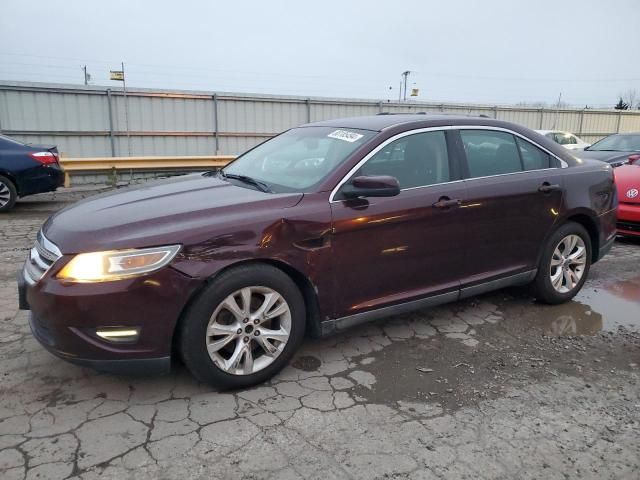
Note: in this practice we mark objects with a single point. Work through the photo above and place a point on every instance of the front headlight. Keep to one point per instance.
(116, 264)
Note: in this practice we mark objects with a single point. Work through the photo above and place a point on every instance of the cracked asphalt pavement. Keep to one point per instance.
(491, 387)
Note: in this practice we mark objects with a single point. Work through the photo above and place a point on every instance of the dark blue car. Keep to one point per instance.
(26, 169)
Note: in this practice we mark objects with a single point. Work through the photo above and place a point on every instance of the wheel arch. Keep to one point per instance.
(305, 286)
(591, 226)
(12, 178)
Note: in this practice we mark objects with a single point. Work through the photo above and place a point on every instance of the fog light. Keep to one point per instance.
(120, 335)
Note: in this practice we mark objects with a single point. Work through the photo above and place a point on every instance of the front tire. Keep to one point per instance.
(8, 194)
(243, 328)
(564, 265)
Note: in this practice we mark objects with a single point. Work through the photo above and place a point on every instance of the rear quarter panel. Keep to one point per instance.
(590, 190)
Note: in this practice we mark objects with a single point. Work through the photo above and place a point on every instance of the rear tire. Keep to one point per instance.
(8, 194)
(230, 342)
(564, 265)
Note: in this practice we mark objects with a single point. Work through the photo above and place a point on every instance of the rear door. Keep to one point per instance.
(395, 249)
(514, 194)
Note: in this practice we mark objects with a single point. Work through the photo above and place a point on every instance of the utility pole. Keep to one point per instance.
(555, 120)
(87, 76)
(405, 74)
(126, 110)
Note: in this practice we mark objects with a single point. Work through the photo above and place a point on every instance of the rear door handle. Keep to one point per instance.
(548, 188)
(446, 202)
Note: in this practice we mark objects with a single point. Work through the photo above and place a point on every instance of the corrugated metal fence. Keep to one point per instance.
(91, 121)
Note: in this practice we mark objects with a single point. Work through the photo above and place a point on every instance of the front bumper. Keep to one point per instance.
(628, 222)
(65, 317)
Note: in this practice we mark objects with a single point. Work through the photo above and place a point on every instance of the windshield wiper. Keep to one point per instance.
(263, 187)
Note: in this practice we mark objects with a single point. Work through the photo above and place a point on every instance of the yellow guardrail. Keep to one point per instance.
(115, 164)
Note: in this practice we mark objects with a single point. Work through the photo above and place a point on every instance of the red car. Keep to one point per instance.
(628, 183)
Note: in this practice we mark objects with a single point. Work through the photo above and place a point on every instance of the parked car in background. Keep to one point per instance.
(628, 184)
(566, 139)
(26, 169)
(320, 228)
(616, 149)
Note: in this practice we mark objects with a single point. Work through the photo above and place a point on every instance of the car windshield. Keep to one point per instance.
(618, 143)
(299, 159)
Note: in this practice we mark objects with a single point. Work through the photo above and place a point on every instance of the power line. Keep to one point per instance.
(435, 73)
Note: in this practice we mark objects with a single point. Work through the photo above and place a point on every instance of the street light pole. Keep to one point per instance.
(405, 74)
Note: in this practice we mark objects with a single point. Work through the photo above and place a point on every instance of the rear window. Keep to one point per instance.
(490, 152)
(4, 139)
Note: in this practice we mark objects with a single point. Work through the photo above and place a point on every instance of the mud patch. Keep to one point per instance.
(306, 363)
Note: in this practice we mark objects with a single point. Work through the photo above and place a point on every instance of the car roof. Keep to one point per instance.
(397, 123)
(544, 132)
(384, 121)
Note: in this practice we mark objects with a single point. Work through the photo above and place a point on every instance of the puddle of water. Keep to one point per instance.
(591, 311)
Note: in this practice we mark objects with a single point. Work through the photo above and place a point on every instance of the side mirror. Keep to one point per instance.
(372, 186)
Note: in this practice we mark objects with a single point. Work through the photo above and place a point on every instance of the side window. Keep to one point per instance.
(490, 152)
(415, 160)
(532, 157)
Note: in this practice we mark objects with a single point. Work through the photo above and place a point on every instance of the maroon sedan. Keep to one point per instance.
(320, 228)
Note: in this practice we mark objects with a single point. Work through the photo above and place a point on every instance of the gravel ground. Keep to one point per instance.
(492, 387)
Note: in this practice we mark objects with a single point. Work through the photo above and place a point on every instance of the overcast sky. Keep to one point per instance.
(490, 51)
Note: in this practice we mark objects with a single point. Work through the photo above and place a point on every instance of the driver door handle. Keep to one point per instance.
(446, 202)
(548, 188)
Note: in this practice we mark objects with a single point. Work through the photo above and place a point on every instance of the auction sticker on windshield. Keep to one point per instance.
(345, 135)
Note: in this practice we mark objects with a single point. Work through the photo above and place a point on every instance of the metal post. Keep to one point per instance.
(111, 138)
(619, 121)
(380, 106)
(215, 122)
(126, 110)
(495, 112)
(541, 117)
(308, 102)
(581, 123)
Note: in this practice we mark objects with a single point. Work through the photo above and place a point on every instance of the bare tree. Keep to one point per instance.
(630, 97)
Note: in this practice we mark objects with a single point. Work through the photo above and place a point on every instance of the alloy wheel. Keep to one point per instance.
(5, 194)
(568, 263)
(248, 330)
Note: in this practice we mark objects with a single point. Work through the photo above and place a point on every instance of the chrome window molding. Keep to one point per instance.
(563, 164)
(367, 157)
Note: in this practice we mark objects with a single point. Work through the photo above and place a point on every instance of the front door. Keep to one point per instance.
(395, 249)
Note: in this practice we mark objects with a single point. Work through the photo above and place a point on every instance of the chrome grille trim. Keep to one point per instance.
(41, 258)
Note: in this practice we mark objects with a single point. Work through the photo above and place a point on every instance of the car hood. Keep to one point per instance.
(628, 183)
(180, 210)
(602, 155)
